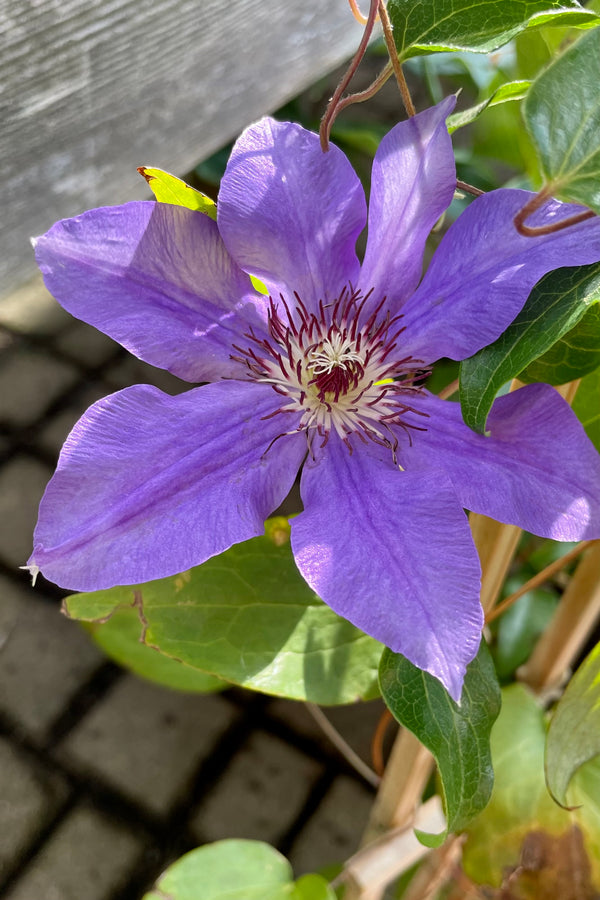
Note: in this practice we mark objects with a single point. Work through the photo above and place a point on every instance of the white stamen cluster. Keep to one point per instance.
(337, 368)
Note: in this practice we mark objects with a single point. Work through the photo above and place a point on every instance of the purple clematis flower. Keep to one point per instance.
(326, 371)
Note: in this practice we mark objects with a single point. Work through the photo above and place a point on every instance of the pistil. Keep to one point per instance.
(339, 372)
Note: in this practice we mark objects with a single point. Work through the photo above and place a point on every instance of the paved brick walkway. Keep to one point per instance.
(104, 779)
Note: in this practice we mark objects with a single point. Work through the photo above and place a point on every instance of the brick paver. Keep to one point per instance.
(43, 662)
(31, 310)
(29, 382)
(130, 370)
(87, 858)
(261, 793)
(22, 483)
(333, 833)
(28, 798)
(356, 723)
(85, 344)
(147, 741)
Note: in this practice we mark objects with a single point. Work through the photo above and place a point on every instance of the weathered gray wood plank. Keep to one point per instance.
(89, 91)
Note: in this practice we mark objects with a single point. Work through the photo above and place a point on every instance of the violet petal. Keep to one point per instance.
(537, 468)
(290, 213)
(148, 485)
(413, 182)
(392, 552)
(158, 279)
(483, 271)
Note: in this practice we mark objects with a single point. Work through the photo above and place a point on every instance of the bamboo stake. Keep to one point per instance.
(372, 868)
(496, 544)
(410, 764)
(565, 637)
(404, 779)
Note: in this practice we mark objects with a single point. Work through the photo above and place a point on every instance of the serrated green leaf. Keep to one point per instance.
(586, 406)
(556, 304)
(512, 90)
(562, 114)
(248, 617)
(520, 803)
(421, 26)
(457, 736)
(573, 356)
(574, 733)
(227, 870)
(169, 189)
(119, 637)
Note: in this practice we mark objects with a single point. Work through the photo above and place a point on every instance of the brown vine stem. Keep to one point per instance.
(360, 18)
(569, 630)
(385, 721)
(538, 579)
(388, 35)
(332, 108)
(369, 92)
(469, 188)
(403, 782)
(535, 203)
(342, 745)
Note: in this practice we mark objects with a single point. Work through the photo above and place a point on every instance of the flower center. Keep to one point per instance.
(339, 368)
(336, 366)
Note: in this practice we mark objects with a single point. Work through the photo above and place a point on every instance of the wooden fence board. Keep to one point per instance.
(90, 90)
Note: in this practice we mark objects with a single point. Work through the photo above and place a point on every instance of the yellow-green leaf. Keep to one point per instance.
(574, 733)
(169, 189)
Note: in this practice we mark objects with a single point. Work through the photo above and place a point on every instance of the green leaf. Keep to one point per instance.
(562, 114)
(248, 617)
(313, 887)
(457, 736)
(520, 627)
(512, 90)
(520, 804)
(574, 733)
(425, 27)
(586, 406)
(169, 189)
(556, 304)
(236, 870)
(573, 356)
(119, 637)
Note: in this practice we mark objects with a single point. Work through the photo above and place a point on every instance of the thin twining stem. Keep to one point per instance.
(538, 579)
(360, 18)
(388, 35)
(469, 188)
(377, 742)
(345, 749)
(538, 230)
(369, 92)
(332, 108)
(572, 624)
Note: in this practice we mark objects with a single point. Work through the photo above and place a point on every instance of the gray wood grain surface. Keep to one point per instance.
(90, 90)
